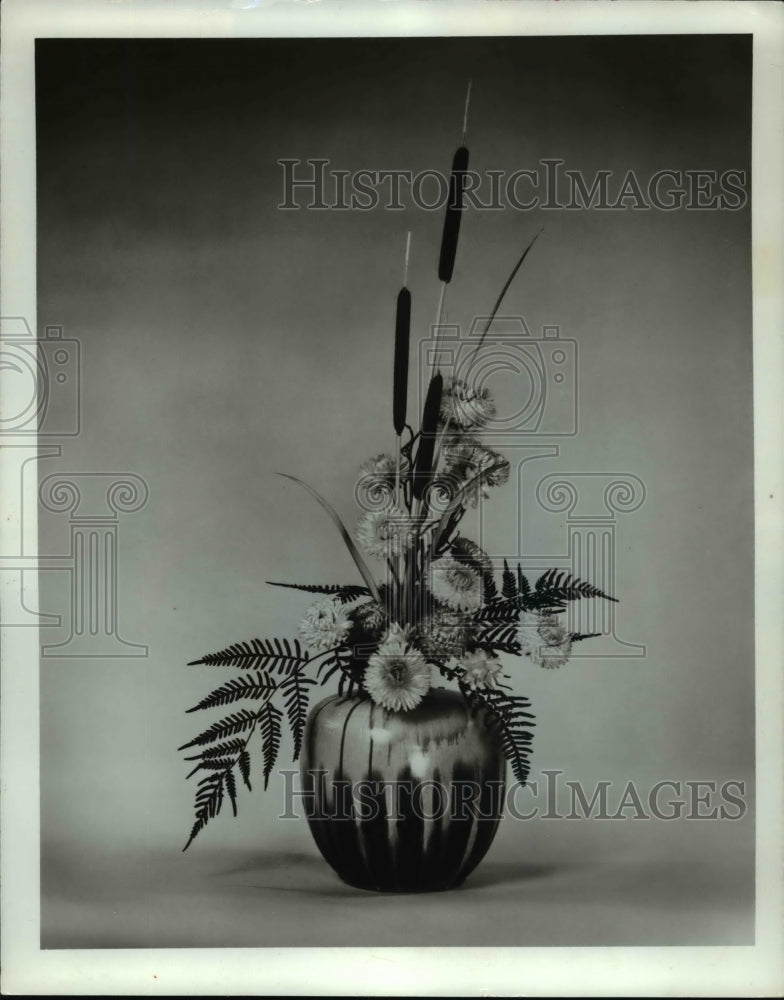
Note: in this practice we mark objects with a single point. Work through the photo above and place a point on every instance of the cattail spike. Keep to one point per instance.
(429, 430)
(465, 111)
(400, 373)
(454, 211)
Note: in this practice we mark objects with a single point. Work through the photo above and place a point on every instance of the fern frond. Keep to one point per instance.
(579, 636)
(231, 788)
(269, 727)
(513, 721)
(559, 585)
(258, 654)
(243, 763)
(212, 764)
(523, 586)
(500, 639)
(209, 798)
(236, 723)
(489, 589)
(260, 686)
(502, 611)
(220, 750)
(295, 689)
(345, 594)
(509, 586)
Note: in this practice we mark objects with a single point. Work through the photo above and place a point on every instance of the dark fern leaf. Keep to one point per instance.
(489, 589)
(509, 587)
(523, 586)
(260, 686)
(243, 763)
(502, 611)
(209, 798)
(221, 750)
(238, 722)
(503, 633)
(295, 690)
(513, 721)
(579, 636)
(231, 788)
(212, 764)
(559, 585)
(270, 729)
(340, 660)
(344, 593)
(258, 654)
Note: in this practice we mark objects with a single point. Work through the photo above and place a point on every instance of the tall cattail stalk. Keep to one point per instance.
(402, 339)
(451, 230)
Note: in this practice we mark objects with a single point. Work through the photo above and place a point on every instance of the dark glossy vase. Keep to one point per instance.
(402, 801)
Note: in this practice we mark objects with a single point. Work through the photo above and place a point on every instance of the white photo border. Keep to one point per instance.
(554, 971)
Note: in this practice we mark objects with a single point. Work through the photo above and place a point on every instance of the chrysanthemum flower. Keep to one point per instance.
(325, 624)
(544, 640)
(455, 583)
(382, 466)
(397, 677)
(464, 550)
(384, 533)
(466, 458)
(442, 634)
(464, 406)
(479, 669)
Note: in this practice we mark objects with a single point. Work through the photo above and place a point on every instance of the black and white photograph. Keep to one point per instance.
(383, 532)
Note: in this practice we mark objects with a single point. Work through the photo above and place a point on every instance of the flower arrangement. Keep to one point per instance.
(438, 613)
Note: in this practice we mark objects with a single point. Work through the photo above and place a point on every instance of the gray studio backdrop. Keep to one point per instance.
(224, 340)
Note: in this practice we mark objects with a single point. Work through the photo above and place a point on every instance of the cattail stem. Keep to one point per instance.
(465, 111)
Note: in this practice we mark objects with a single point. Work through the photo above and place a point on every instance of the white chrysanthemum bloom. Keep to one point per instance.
(456, 584)
(383, 466)
(384, 533)
(464, 550)
(325, 624)
(466, 458)
(480, 669)
(396, 677)
(443, 633)
(464, 406)
(544, 640)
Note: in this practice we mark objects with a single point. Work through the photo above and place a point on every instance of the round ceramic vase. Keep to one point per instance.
(402, 801)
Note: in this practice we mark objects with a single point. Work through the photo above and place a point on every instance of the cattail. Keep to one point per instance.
(454, 211)
(402, 334)
(427, 441)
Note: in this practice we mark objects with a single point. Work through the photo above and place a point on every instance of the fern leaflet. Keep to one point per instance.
(513, 722)
(269, 727)
(258, 654)
(209, 798)
(345, 594)
(260, 686)
(295, 688)
(509, 586)
(230, 726)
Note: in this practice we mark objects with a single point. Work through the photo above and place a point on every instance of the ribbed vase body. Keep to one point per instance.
(402, 801)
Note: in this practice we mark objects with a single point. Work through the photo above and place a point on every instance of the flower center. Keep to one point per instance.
(398, 671)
